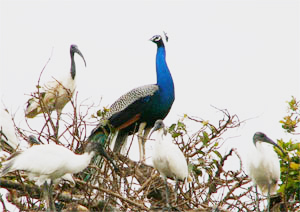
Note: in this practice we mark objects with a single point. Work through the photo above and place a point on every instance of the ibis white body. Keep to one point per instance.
(48, 162)
(8, 129)
(263, 164)
(168, 159)
(55, 94)
(264, 167)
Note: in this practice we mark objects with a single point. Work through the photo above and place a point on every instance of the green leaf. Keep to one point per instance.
(294, 166)
(201, 152)
(218, 154)
(172, 127)
(205, 138)
(295, 146)
(181, 125)
(175, 134)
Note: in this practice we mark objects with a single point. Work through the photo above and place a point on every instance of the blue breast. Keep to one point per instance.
(164, 79)
(161, 102)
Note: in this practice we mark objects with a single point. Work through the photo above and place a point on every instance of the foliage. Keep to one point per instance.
(139, 187)
(290, 161)
(290, 122)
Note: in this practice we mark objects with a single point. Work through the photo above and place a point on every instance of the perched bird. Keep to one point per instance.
(50, 162)
(55, 94)
(140, 107)
(7, 129)
(264, 166)
(32, 140)
(168, 159)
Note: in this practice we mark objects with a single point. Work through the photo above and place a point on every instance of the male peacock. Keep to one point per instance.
(140, 107)
(55, 94)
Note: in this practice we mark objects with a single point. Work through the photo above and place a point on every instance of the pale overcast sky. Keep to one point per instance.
(237, 55)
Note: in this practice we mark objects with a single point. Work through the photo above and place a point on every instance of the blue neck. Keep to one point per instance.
(164, 78)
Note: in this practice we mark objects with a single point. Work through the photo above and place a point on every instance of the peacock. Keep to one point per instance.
(137, 110)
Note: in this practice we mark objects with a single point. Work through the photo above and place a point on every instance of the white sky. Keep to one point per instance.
(237, 55)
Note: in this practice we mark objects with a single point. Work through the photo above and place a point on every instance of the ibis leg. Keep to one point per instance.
(57, 123)
(257, 199)
(52, 206)
(176, 188)
(140, 140)
(269, 198)
(167, 193)
(48, 196)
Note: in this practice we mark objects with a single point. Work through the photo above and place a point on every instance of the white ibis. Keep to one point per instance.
(50, 162)
(168, 159)
(264, 166)
(55, 94)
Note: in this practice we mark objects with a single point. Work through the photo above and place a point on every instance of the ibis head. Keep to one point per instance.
(159, 124)
(261, 137)
(74, 49)
(93, 146)
(33, 140)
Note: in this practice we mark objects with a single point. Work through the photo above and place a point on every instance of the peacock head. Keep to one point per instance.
(158, 40)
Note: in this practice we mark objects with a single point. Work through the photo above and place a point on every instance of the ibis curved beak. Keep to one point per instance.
(270, 141)
(158, 127)
(81, 55)
(153, 130)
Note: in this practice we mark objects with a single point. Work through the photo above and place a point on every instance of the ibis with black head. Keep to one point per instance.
(168, 159)
(264, 166)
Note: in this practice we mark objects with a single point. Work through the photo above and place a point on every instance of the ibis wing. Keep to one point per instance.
(42, 159)
(177, 162)
(7, 129)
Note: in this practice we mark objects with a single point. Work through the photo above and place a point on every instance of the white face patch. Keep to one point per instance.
(156, 38)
